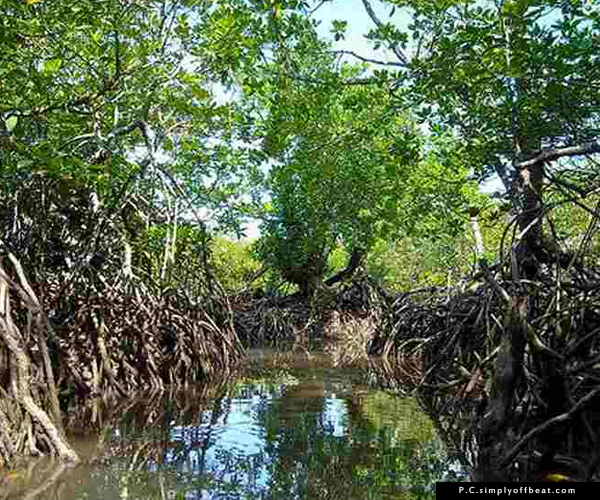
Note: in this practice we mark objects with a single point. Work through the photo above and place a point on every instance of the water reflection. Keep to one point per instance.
(302, 434)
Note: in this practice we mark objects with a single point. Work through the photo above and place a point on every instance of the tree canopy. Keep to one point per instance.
(240, 102)
(516, 82)
(134, 134)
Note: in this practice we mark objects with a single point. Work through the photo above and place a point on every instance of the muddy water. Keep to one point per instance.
(285, 429)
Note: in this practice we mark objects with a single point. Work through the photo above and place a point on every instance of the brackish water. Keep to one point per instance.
(282, 430)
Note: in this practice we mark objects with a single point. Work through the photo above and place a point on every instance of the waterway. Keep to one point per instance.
(286, 427)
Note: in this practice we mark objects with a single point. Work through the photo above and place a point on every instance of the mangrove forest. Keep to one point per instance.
(297, 249)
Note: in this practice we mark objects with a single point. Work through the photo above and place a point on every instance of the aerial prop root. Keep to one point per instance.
(31, 426)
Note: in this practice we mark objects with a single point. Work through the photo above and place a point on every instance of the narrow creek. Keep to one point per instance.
(287, 427)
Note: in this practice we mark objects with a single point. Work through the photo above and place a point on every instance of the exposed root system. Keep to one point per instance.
(512, 370)
(360, 307)
(105, 345)
(142, 342)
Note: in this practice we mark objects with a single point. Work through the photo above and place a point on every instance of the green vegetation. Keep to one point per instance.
(135, 121)
(235, 265)
(134, 135)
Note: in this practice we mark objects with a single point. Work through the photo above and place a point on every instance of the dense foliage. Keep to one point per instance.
(135, 134)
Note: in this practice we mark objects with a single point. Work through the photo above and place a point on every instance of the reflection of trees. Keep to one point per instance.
(50, 471)
(297, 423)
(302, 456)
(308, 460)
(169, 444)
(400, 455)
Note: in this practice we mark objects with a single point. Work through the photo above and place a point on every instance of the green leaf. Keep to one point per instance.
(52, 66)
(11, 123)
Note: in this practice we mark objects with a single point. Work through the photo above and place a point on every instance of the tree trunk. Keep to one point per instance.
(356, 259)
(310, 285)
(530, 219)
(526, 137)
(308, 277)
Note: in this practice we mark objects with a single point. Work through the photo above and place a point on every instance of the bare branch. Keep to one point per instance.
(556, 153)
(366, 59)
(371, 12)
(311, 12)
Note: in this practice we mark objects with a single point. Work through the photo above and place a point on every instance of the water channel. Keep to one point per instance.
(287, 428)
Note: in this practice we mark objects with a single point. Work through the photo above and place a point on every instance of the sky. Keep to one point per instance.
(359, 24)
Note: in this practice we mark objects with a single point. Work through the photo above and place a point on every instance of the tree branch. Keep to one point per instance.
(371, 12)
(311, 12)
(399, 54)
(354, 262)
(556, 153)
(366, 59)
